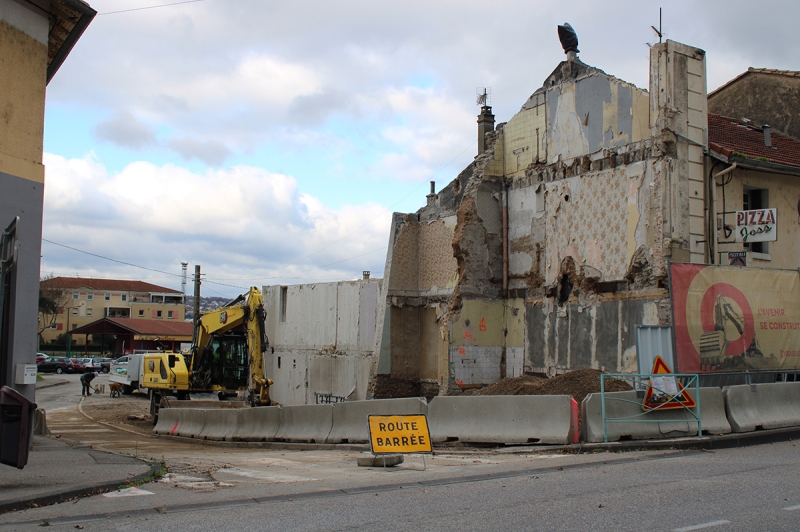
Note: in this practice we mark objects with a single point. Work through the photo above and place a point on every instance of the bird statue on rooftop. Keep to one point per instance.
(569, 40)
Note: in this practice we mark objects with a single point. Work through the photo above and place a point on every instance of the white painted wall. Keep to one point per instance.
(326, 344)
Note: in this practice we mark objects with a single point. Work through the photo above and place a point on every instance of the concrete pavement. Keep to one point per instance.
(57, 472)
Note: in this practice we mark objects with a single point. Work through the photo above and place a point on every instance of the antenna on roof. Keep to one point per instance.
(484, 96)
(658, 31)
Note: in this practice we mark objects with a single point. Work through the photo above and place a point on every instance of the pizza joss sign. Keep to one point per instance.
(759, 225)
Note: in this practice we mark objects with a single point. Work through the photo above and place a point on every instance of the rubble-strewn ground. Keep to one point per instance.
(578, 383)
(120, 411)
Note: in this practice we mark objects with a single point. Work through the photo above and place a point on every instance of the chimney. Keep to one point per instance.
(366, 275)
(432, 196)
(767, 135)
(485, 125)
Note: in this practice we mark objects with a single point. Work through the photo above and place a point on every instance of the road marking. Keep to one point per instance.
(792, 508)
(262, 475)
(128, 492)
(701, 526)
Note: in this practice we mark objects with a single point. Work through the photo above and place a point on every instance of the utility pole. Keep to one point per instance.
(196, 317)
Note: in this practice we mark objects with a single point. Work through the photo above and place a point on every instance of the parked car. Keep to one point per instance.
(104, 364)
(41, 357)
(78, 365)
(89, 364)
(55, 365)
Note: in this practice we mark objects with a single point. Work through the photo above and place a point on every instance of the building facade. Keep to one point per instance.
(548, 251)
(35, 38)
(81, 301)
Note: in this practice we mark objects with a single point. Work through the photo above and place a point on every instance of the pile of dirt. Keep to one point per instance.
(522, 385)
(387, 387)
(578, 383)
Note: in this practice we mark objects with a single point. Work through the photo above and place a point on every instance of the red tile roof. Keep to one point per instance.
(155, 327)
(731, 136)
(135, 326)
(118, 285)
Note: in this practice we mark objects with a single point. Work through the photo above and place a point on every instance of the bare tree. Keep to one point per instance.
(52, 300)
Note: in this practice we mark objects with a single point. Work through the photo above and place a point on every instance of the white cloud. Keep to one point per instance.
(240, 222)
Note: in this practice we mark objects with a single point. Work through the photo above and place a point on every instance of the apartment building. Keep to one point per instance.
(80, 301)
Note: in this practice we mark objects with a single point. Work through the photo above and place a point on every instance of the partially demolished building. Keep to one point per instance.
(550, 247)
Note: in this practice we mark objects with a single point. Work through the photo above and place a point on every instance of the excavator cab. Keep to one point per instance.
(222, 364)
(230, 360)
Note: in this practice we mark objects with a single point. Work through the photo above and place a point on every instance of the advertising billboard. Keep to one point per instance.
(735, 319)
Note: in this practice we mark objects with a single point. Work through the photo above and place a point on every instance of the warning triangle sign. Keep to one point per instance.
(664, 391)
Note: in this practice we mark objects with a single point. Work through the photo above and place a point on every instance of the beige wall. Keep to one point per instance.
(784, 195)
(23, 72)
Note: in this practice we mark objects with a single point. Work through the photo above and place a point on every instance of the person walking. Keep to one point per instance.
(86, 381)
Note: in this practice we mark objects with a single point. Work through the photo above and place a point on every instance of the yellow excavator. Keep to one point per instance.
(227, 357)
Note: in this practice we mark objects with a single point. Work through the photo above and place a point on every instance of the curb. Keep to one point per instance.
(725, 441)
(290, 446)
(708, 443)
(44, 386)
(83, 491)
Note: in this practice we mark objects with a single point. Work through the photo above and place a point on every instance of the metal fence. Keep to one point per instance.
(640, 382)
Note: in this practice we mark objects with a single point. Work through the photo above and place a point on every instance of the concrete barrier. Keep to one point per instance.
(220, 424)
(712, 416)
(257, 424)
(501, 419)
(350, 418)
(305, 423)
(215, 404)
(184, 422)
(765, 406)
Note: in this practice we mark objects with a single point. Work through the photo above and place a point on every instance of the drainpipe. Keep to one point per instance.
(504, 202)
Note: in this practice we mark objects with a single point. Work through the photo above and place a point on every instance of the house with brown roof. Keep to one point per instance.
(123, 336)
(763, 95)
(751, 167)
(81, 301)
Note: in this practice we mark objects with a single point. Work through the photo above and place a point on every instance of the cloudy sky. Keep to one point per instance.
(270, 141)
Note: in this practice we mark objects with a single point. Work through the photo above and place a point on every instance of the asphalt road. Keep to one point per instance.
(753, 488)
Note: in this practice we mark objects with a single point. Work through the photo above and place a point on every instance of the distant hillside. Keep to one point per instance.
(206, 304)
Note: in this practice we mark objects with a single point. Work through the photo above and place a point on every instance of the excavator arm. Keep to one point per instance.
(247, 310)
(257, 345)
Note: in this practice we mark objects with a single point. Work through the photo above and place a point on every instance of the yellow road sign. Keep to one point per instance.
(399, 434)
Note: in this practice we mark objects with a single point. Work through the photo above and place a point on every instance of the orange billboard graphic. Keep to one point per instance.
(735, 319)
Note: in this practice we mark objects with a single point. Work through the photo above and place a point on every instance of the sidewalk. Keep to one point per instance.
(57, 472)
(49, 383)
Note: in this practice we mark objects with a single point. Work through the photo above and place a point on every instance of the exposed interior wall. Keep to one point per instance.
(591, 112)
(605, 186)
(600, 336)
(524, 137)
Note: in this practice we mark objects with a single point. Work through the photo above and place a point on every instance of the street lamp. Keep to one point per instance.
(69, 336)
